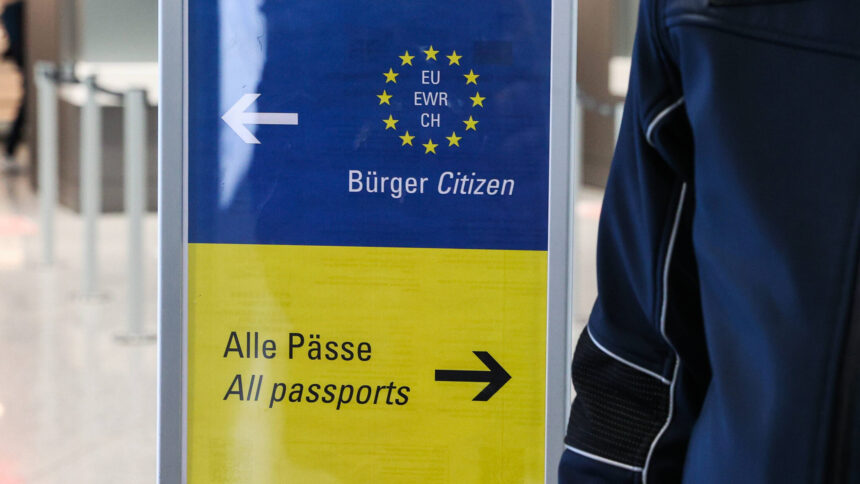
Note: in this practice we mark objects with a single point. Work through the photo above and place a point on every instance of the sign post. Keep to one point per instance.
(366, 211)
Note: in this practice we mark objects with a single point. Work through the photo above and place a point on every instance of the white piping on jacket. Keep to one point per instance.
(657, 119)
(626, 362)
(663, 308)
(603, 459)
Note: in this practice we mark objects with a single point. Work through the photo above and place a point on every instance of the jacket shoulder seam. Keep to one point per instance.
(825, 46)
(659, 118)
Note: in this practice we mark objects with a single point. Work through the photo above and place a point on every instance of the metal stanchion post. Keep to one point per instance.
(135, 156)
(90, 195)
(46, 130)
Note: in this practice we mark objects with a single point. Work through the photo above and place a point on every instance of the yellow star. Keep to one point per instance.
(431, 54)
(407, 139)
(454, 58)
(477, 100)
(406, 58)
(384, 98)
(453, 140)
(430, 147)
(391, 123)
(390, 76)
(471, 124)
(471, 77)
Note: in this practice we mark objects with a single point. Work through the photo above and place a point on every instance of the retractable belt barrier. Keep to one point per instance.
(48, 79)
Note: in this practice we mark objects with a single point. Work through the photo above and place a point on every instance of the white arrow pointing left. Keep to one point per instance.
(237, 119)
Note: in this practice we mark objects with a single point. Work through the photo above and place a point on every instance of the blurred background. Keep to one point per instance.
(78, 240)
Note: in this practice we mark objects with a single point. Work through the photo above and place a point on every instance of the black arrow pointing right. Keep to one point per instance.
(496, 377)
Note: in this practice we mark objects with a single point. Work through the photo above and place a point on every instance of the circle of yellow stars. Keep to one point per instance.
(431, 54)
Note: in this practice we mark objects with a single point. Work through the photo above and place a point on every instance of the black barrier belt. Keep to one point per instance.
(66, 75)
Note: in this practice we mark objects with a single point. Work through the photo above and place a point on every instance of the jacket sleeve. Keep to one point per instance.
(624, 425)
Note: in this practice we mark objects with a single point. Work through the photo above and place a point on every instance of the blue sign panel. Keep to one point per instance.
(367, 247)
(419, 124)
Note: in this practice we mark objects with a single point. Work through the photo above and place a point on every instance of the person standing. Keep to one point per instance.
(13, 23)
(724, 345)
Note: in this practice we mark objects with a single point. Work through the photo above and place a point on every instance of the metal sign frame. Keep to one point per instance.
(172, 261)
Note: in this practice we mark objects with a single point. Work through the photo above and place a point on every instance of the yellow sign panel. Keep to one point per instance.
(362, 365)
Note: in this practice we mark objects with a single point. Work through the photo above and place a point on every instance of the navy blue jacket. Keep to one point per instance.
(724, 346)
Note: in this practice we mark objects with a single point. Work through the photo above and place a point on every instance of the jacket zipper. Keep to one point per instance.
(847, 403)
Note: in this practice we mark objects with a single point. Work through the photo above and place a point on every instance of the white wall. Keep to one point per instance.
(117, 30)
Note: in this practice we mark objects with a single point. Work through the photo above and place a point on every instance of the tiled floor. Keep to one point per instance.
(77, 406)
